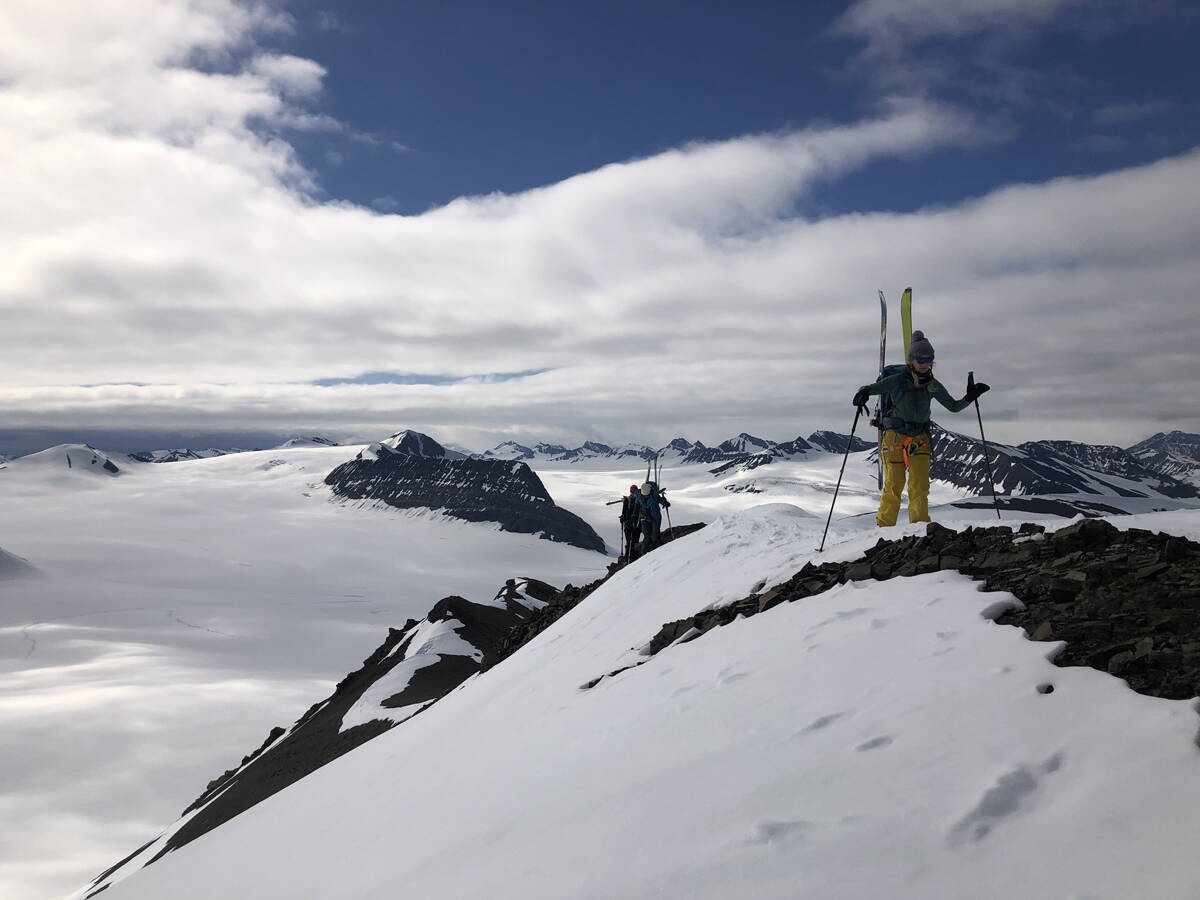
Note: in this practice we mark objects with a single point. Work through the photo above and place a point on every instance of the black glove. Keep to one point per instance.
(976, 390)
(860, 399)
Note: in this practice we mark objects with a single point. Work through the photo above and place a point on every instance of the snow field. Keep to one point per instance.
(882, 739)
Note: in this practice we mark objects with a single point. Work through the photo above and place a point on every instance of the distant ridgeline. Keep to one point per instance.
(411, 470)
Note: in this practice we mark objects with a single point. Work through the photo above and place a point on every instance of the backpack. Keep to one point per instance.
(887, 402)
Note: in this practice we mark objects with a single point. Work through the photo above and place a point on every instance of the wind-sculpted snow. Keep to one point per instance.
(476, 490)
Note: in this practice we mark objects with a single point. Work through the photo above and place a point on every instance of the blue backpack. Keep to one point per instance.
(887, 402)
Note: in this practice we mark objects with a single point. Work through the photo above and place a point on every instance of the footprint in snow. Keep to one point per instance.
(1012, 794)
(821, 723)
(736, 676)
(769, 832)
(843, 615)
(875, 743)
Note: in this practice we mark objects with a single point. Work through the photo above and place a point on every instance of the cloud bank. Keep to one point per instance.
(173, 268)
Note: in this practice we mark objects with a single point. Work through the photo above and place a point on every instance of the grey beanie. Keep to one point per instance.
(920, 345)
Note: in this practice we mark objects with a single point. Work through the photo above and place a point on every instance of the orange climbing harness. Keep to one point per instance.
(921, 442)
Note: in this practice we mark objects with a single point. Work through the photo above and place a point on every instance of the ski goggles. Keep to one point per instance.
(923, 360)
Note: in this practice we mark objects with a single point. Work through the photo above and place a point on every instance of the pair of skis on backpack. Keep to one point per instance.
(884, 368)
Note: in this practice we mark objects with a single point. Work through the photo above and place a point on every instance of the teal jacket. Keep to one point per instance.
(910, 412)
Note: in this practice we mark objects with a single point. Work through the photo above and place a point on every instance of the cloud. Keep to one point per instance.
(179, 245)
(1011, 57)
(327, 20)
(1118, 114)
(889, 26)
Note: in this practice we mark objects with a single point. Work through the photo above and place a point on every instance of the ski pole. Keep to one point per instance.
(849, 443)
(983, 438)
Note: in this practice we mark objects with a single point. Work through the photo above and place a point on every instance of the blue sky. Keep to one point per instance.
(610, 221)
(471, 97)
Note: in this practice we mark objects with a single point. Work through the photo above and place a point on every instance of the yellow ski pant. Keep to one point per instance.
(904, 457)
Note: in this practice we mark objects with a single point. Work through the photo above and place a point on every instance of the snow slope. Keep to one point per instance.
(181, 611)
(878, 740)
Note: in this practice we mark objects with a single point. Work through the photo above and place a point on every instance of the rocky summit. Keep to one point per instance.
(476, 490)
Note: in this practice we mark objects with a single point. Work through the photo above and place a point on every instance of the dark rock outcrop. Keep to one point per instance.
(476, 490)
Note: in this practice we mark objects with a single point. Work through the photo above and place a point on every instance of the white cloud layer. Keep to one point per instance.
(168, 238)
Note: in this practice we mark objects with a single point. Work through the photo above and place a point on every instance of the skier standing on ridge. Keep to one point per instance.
(630, 520)
(905, 447)
(650, 504)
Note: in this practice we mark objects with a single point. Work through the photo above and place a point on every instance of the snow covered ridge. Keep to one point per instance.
(177, 455)
(413, 668)
(886, 728)
(1042, 468)
(1127, 602)
(306, 442)
(73, 458)
(414, 443)
(678, 451)
(475, 490)
(180, 454)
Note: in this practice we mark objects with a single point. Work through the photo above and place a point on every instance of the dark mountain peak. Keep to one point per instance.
(745, 443)
(506, 492)
(833, 442)
(794, 446)
(1175, 454)
(508, 450)
(596, 447)
(414, 443)
(314, 441)
(1172, 441)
